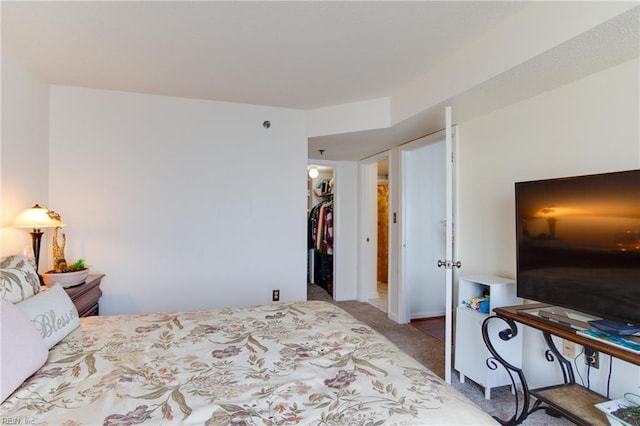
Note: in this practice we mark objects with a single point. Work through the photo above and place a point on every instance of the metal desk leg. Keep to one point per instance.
(552, 354)
(522, 410)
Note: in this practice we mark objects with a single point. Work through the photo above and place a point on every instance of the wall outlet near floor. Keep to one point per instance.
(276, 295)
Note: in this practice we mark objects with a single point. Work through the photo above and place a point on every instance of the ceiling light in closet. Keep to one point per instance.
(313, 172)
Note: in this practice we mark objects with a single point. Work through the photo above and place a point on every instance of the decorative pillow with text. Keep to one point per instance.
(52, 313)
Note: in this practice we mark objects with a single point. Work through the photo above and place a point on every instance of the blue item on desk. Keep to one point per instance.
(613, 339)
(613, 327)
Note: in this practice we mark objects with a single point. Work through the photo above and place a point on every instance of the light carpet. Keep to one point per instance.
(429, 351)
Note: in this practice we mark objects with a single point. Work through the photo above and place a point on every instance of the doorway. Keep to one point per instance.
(380, 296)
(423, 227)
(320, 229)
(427, 254)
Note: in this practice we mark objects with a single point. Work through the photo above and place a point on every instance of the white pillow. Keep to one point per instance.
(52, 313)
(22, 349)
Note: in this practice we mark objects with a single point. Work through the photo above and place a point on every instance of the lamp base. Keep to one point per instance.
(36, 239)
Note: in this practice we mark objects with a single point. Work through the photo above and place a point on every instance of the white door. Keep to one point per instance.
(423, 225)
(427, 194)
(450, 261)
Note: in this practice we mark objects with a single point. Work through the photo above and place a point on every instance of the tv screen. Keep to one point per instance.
(578, 243)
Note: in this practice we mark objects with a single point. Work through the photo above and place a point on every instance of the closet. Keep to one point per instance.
(320, 220)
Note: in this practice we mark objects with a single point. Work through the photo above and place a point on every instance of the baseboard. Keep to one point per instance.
(427, 314)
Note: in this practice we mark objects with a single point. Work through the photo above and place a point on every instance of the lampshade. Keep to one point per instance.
(37, 217)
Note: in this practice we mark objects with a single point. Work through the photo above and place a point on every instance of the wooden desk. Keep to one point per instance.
(85, 296)
(569, 399)
(519, 314)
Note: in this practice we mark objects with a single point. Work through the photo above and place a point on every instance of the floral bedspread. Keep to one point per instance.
(279, 364)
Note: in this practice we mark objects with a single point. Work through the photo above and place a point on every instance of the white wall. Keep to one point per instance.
(183, 203)
(351, 117)
(24, 150)
(588, 126)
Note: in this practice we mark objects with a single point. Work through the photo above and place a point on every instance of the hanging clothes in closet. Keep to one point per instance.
(322, 229)
(321, 238)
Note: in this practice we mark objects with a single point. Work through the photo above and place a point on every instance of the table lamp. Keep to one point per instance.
(37, 217)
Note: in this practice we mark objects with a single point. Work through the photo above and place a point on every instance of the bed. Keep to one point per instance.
(277, 364)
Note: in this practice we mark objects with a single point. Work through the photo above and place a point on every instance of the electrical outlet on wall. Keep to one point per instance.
(568, 348)
(591, 357)
(275, 295)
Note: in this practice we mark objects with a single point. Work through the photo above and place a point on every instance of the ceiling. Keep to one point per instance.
(301, 54)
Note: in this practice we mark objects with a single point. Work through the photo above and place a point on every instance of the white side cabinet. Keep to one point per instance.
(471, 353)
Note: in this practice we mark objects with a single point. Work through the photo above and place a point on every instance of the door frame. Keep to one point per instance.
(367, 232)
(449, 136)
(398, 309)
(333, 166)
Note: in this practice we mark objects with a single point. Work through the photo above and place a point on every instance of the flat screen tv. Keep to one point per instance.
(578, 243)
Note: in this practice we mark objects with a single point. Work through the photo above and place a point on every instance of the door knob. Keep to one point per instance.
(448, 264)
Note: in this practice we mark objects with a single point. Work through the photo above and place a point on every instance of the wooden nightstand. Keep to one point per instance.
(85, 296)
